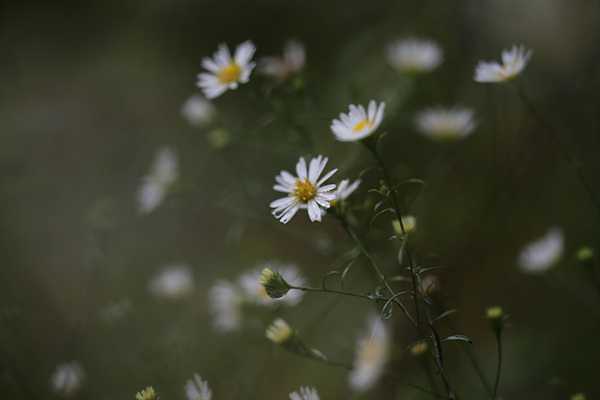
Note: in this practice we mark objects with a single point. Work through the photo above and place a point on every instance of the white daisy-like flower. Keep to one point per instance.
(304, 190)
(197, 389)
(293, 60)
(514, 62)
(305, 393)
(173, 282)
(255, 292)
(446, 124)
(541, 255)
(358, 123)
(198, 111)
(225, 72)
(156, 184)
(226, 306)
(68, 378)
(414, 55)
(279, 331)
(371, 355)
(344, 190)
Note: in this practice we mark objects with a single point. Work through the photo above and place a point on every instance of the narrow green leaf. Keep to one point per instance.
(346, 270)
(414, 180)
(327, 275)
(445, 314)
(319, 354)
(461, 338)
(379, 213)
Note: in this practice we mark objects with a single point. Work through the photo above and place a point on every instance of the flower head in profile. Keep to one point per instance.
(543, 254)
(445, 124)
(226, 72)
(197, 389)
(305, 190)
(413, 55)
(67, 378)
(155, 186)
(277, 279)
(147, 394)
(198, 111)
(226, 306)
(371, 355)
(279, 332)
(305, 393)
(173, 282)
(514, 62)
(280, 69)
(358, 123)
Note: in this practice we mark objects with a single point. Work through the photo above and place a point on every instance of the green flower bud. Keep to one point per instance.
(274, 284)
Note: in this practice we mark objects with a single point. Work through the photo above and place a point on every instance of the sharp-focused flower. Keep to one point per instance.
(173, 282)
(256, 292)
(543, 254)
(371, 355)
(279, 332)
(446, 124)
(408, 221)
(147, 394)
(156, 184)
(304, 190)
(226, 306)
(68, 378)
(198, 111)
(225, 72)
(280, 69)
(514, 62)
(197, 389)
(412, 55)
(358, 123)
(305, 393)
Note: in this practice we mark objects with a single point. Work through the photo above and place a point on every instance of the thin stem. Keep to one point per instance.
(499, 343)
(342, 292)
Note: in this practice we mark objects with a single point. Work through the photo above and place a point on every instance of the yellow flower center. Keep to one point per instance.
(230, 73)
(304, 190)
(362, 124)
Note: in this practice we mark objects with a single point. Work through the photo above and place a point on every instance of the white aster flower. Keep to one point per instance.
(413, 55)
(344, 190)
(68, 378)
(446, 124)
(371, 355)
(156, 184)
(305, 393)
(225, 72)
(543, 254)
(226, 306)
(358, 123)
(197, 389)
(173, 282)
(198, 111)
(279, 332)
(255, 292)
(514, 62)
(293, 60)
(304, 190)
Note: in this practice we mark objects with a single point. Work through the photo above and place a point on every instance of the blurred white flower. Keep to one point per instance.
(371, 355)
(409, 222)
(225, 72)
(198, 111)
(197, 389)
(304, 191)
(344, 190)
(173, 282)
(255, 292)
(279, 331)
(541, 255)
(226, 306)
(156, 184)
(147, 394)
(280, 69)
(446, 124)
(305, 393)
(68, 378)
(358, 123)
(413, 55)
(514, 62)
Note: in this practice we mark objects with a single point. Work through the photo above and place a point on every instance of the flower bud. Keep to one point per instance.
(274, 284)
(496, 318)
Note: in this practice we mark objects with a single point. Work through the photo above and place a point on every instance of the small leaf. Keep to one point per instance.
(414, 180)
(346, 270)
(445, 314)
(330, 273)
(379, 213)
(319, 354)
(461, 338)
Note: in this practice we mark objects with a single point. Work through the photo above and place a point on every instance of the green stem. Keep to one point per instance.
(342, 292)
(499, 343)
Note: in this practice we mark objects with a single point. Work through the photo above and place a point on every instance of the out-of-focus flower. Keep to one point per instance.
(67, 378)
(446, 124)
(173, 282)
(408, 221)
(280, 69)
(198, 111)
(219, 138)
(147, 394)
(514, 62)
(305, 393)
(303, 191)
(419, 349)
(541, 255)
(413, 55)
(358, 123)
(225, 72)
(279, 332)
(578, 396)
(344, 190)
(431, 285)
(256, 292)
(226, 306)
(115, 312)
(371, 355)
(156, 184)
(197, 389)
